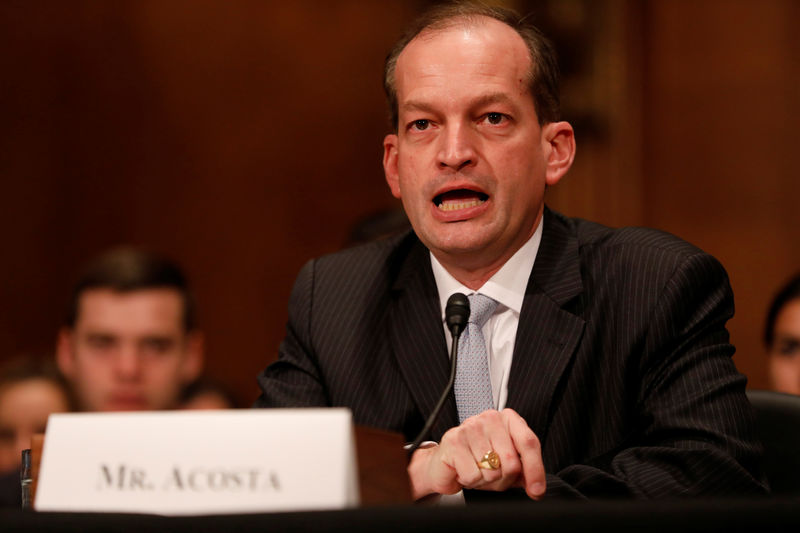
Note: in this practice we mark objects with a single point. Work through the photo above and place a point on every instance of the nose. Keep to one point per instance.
(128, 365)
(457, 150)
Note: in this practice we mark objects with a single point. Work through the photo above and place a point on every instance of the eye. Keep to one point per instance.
(101, 341)
(495, 118)
(789, 347)
(420, 125)
(157, 345)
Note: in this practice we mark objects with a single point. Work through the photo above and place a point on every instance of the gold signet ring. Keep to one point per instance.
(490, 461)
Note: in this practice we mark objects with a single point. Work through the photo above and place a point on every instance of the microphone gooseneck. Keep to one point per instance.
(456, 315)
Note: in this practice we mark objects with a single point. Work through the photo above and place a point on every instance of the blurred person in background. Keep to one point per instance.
(205, 394)
(782, 338)
(30, 389)
(130, 341)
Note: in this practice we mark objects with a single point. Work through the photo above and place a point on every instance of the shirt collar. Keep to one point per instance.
(507, 285)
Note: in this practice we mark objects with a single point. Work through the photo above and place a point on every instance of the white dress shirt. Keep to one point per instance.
(507, 286)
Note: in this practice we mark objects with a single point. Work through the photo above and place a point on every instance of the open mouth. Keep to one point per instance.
(459, 199)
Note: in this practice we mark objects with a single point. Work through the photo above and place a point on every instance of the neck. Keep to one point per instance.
(472, 279)
(473, 270)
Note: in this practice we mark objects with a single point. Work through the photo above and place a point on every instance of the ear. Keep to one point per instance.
(560, 149)
(65, 356)
(390, 163)
(194, 356)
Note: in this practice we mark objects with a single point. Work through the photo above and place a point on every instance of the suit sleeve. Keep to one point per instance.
(294, 380)
(695, 428)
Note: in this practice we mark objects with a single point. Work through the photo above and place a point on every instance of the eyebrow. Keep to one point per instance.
(414, 105)
(100, 335)
(480, 101)
(492, 98)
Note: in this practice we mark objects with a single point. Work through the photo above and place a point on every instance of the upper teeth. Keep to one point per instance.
(456, 205)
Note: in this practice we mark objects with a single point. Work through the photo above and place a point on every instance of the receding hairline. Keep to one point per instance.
(465, 21)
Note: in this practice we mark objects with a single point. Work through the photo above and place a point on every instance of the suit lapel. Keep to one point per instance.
(417, 336)
(547, 334)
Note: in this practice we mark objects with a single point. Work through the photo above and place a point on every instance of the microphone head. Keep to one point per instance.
(456, 313)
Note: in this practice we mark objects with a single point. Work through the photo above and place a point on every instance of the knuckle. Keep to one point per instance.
(452, 436)
(491, 414)
(471, 426)
(530, 440)
(511, 464)
(492, 475)
(462, 438)
(446, 439)
(468, 426)
(470, 479)
(449, 434)
(491, 419)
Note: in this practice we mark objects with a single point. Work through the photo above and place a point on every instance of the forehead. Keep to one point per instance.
(156, 309)
(31, 394)
(465, 54)
(788, 319)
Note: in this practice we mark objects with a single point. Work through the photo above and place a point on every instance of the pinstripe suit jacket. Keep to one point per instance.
(621, 366)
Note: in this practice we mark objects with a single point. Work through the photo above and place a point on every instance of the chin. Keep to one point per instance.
(462, 242)
(128, 405)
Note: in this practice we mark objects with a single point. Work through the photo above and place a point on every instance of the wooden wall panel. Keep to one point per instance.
(722, 94)
(243, 138)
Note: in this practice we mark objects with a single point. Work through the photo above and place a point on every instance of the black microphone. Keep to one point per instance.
(456, 315)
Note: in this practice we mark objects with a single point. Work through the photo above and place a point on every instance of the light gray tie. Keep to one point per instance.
(473, 387)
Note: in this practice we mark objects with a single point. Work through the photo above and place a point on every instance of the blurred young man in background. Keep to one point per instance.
(131, 340)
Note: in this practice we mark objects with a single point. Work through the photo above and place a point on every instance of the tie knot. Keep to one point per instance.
(481, 308)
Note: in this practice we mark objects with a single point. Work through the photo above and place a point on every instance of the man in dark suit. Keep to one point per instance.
(603, 353)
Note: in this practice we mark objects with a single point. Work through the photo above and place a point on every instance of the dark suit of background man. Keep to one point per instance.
(621, 380)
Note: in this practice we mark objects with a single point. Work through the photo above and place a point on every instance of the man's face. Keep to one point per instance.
(128, 350)
(24, 408)
(470, 161)
(784, 356)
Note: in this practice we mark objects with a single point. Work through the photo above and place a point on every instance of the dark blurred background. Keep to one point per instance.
(243, 137)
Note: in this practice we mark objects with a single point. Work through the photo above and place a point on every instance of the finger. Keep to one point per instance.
(429, 472)
(478, 431)
(530, 453)
(457, 448)
(492, 435)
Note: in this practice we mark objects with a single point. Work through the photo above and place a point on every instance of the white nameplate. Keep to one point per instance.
(199, 462)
